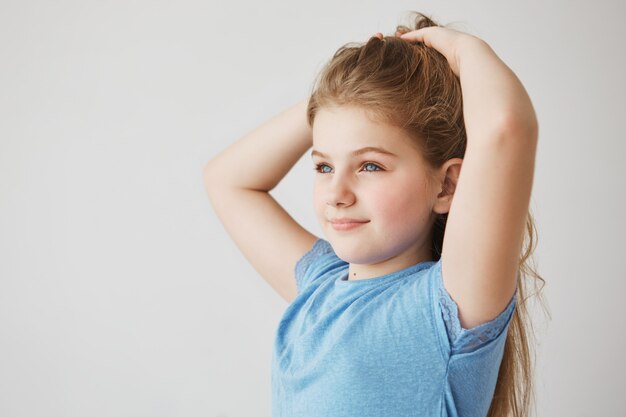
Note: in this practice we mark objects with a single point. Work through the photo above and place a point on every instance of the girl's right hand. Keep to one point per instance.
(451, 43)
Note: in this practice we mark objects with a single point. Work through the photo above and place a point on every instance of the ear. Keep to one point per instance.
(446, 180)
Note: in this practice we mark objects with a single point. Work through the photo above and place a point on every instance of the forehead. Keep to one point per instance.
(343, 129)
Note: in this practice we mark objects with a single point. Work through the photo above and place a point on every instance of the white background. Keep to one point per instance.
(121, 293)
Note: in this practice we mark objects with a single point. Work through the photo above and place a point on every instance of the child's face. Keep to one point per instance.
(392, 194)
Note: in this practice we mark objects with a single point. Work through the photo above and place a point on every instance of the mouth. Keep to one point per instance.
(347, 224)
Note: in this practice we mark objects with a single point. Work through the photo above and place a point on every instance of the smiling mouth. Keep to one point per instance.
(347, 225)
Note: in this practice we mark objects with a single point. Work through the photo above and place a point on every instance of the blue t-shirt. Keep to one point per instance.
(385, 346)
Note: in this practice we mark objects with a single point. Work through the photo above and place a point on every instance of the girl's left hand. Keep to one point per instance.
(449, 42)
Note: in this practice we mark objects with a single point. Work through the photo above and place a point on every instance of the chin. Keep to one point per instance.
(351, 253)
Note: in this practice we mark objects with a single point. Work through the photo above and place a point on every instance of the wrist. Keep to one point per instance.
(471, 47)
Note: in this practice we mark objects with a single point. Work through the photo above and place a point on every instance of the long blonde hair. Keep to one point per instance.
(412, 86)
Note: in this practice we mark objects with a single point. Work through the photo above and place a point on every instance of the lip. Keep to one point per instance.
(347, 223)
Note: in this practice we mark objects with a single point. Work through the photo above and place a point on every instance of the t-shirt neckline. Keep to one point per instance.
(343, 280)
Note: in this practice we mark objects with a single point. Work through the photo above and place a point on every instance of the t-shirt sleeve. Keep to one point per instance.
(321, 251)
(463, 340)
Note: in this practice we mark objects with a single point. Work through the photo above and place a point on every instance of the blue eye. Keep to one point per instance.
(319, 168)
(372, 164)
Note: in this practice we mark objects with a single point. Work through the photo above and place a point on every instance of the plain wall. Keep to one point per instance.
(121, 293)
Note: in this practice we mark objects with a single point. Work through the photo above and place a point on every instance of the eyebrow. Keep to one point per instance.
(358, 152)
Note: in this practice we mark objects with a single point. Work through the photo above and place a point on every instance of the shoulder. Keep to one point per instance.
(457, 339)
(320, 259)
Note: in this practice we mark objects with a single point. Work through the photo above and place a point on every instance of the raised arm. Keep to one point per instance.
(238, 182)
(486, 223)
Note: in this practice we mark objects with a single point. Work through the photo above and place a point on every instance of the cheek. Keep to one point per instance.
(400, 204)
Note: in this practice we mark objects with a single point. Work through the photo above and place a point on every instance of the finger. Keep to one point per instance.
(442, 39)
(429, 36)
(414, 34)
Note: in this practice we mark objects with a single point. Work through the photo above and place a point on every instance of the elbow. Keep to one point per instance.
(207, 174)
(206, 169)
(523, 126)
(215, 179)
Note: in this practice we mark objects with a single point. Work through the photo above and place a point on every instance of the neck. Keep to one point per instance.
(397, 263)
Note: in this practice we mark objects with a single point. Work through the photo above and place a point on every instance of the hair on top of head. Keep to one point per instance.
(405, 84)
(411, 86)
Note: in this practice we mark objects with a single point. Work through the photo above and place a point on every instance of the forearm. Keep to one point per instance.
(260, 159)
(494, 100)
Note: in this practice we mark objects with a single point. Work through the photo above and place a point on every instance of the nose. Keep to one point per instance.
(339, 193)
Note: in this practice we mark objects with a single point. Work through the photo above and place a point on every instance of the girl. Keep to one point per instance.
(413, 305)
